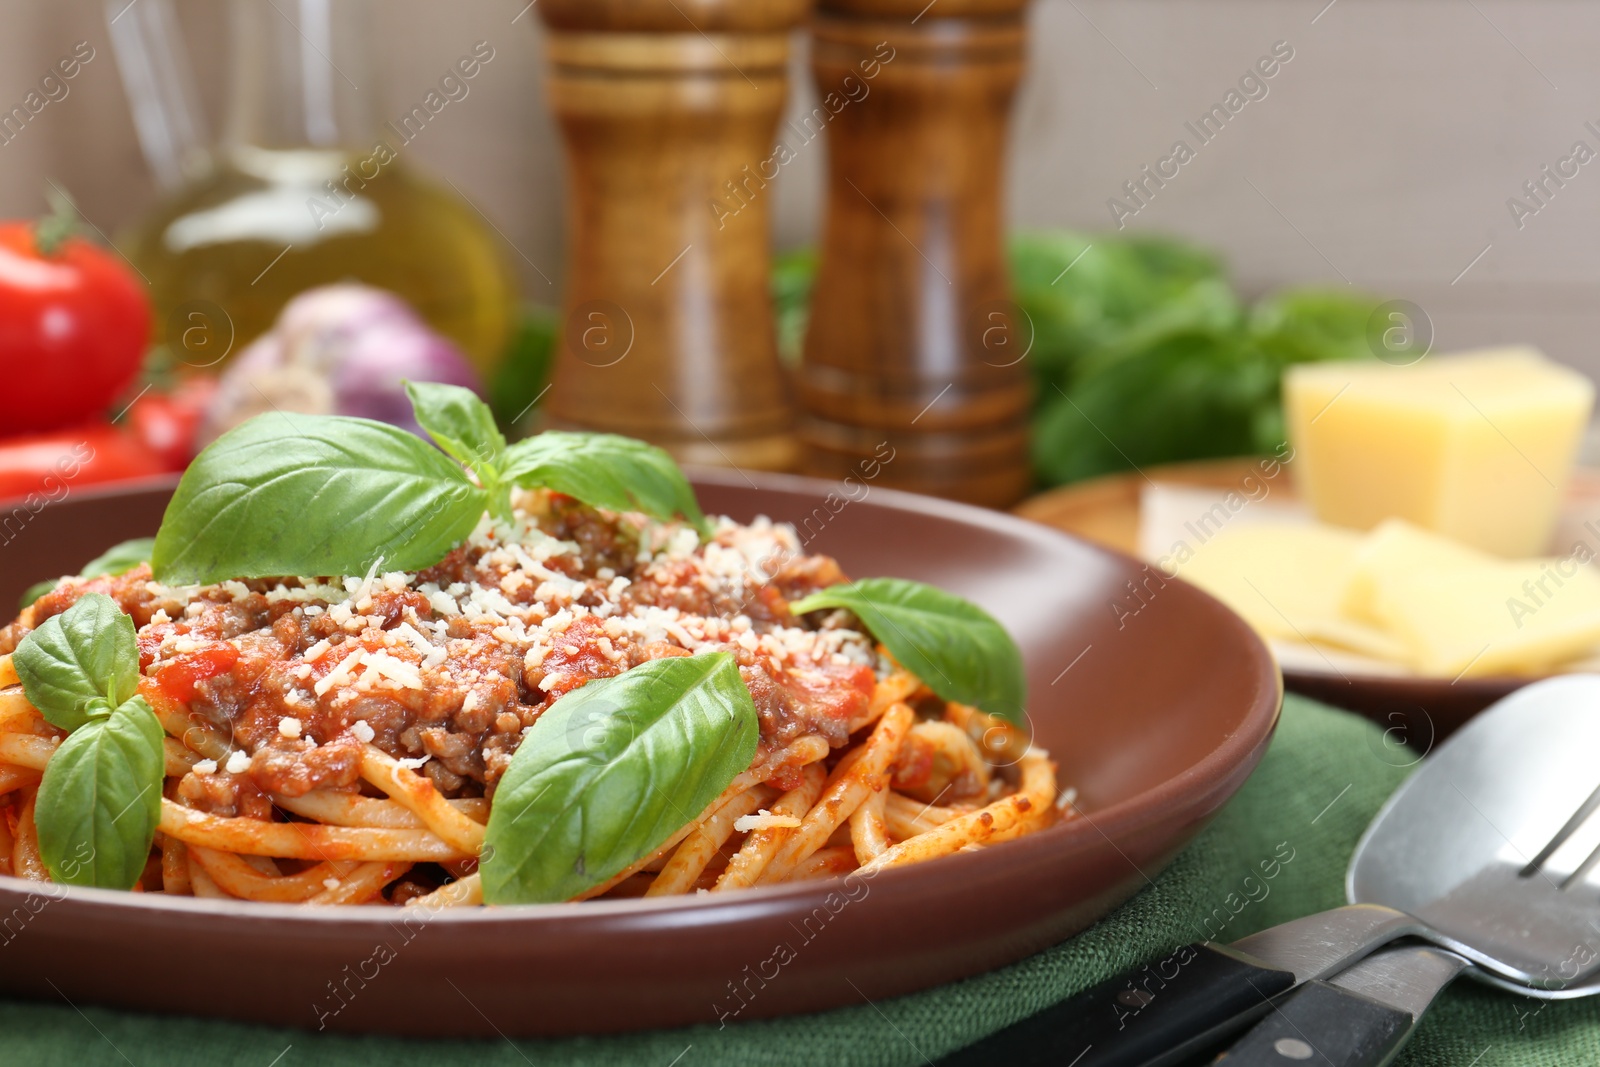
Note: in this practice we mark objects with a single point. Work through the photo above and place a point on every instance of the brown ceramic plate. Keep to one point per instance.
(1417, 710)
(1156, 724)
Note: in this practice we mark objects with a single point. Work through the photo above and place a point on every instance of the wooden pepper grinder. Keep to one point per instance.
(914, 349)
(668, 109)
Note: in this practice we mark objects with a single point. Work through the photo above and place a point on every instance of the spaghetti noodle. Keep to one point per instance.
(339, 742)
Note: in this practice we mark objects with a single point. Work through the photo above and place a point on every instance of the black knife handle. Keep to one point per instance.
(1323, 1026)
(1157, 1014)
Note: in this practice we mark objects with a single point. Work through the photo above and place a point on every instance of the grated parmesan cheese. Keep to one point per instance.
(361, 589)
(765, 820)
(395, 669)
(289, 727)
(413, 637)
(339, 674)
(238, 762)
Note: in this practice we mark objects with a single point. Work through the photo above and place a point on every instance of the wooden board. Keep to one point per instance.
(1414, 710)
(1105, 510)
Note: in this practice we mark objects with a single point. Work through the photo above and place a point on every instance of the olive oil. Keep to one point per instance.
(306, 189)
(230, 250)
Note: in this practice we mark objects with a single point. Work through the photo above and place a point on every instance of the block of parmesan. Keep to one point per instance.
(1477, 446)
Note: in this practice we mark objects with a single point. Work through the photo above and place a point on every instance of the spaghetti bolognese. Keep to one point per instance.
(348, 741)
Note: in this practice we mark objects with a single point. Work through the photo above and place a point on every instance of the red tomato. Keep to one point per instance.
(74, 325)
(167, 422)
(52, 465)
(186, 670)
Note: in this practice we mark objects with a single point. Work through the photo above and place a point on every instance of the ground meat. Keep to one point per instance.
(294, 768)
(454, 664)
(580, 655)
(801, 576)
(814, 699)
(602, 542)
(229, 795)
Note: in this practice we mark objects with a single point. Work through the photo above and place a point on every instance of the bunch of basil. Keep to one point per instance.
(605, 776)
(1142, 353)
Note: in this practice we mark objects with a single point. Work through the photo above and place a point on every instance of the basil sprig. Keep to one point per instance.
(87, 655)
(464, 427)
(327, 494)
(308, 495)
(956, 648)
(610, 771)
(607, 471)
(100, 799)
(118, 559)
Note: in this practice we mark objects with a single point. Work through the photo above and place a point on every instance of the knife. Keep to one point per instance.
(1359, 1018)
(1166, 1011)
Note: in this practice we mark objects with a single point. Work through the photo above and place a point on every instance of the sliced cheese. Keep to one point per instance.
(1461, 611)
(1493, 619)
(1288, 581)
(1396, 548)
(1402, 595)
(1475, 446)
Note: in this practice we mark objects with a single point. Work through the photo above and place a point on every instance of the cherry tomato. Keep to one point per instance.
(50, 466)
(74, 324)
(167, 422)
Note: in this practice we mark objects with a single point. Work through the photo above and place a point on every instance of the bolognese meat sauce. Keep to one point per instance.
(449, 666)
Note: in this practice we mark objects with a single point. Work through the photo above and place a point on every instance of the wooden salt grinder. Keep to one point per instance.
(668, 109)
(913, 344)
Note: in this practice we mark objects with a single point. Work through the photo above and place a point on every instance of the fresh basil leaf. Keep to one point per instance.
(35, 591)
(312, 495)
(120, 558)
(606, 471)
(99, 801)
(89, 652)
(610, 771)
(461, 424)
(956, 648)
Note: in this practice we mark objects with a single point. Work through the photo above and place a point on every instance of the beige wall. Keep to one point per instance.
(1384, 151)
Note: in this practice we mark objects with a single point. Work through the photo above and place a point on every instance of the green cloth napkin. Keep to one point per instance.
(1301, 813)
